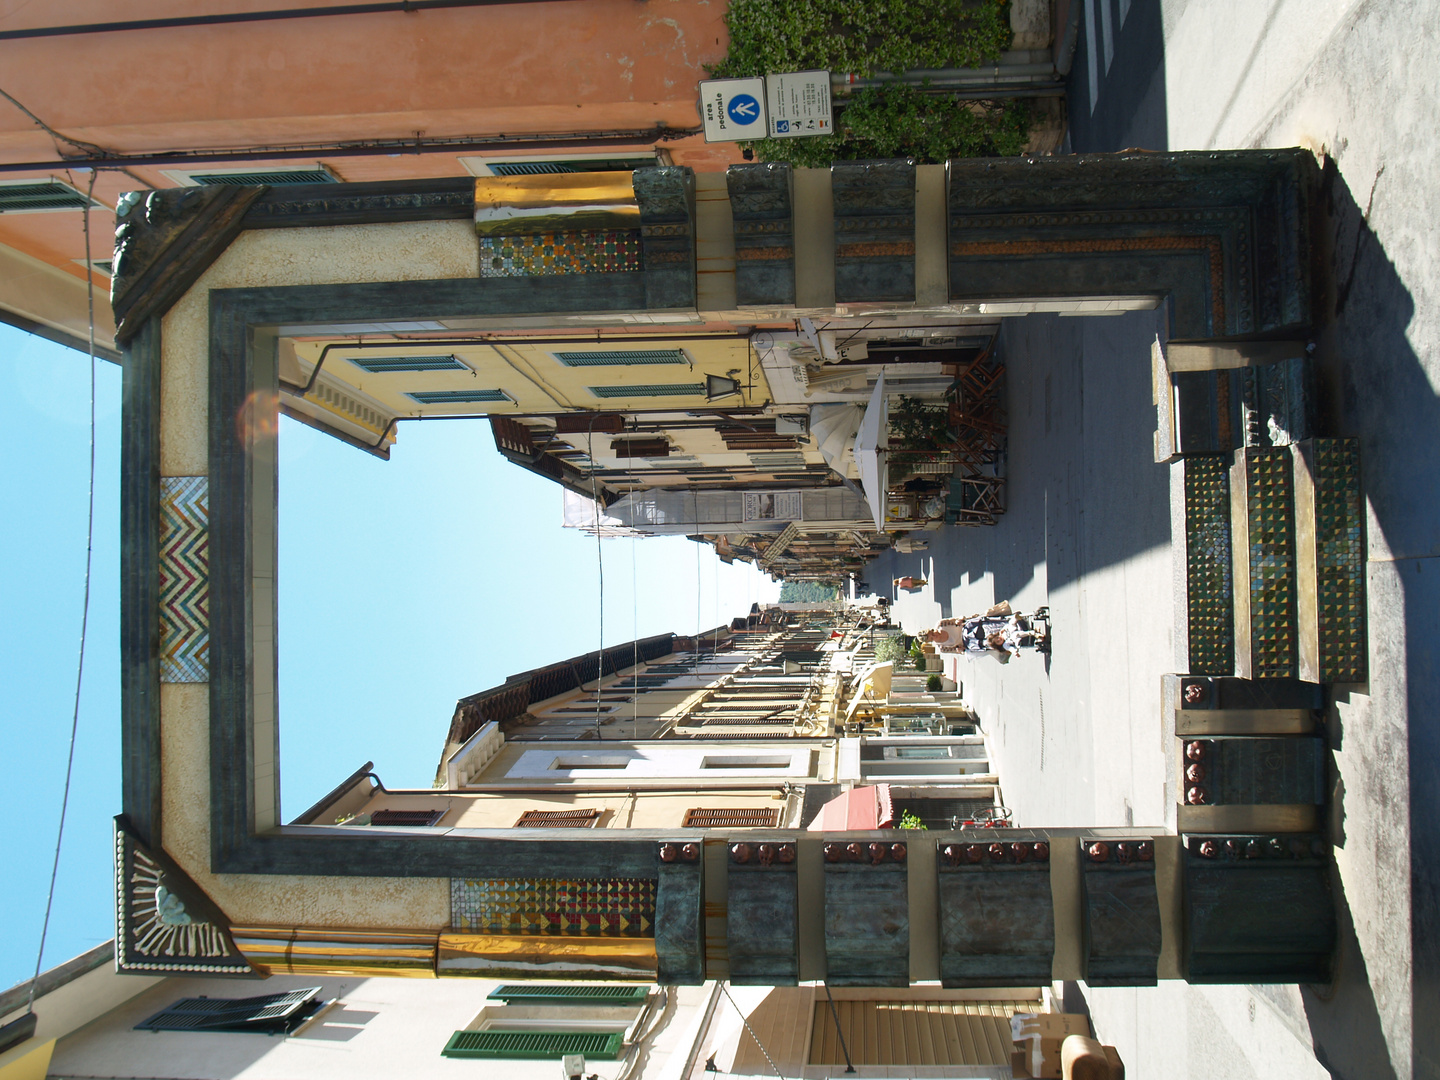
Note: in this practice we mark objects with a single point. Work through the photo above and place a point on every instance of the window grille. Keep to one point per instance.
(541, 168)
(651, 390)
(702, 818)
(558, 819)
(621, 357)
(264, 178)
(568, 994)
(451, 397)
(267, 1014)
(419, 818)
(602, 1046)
(380, 365)
(33, 195)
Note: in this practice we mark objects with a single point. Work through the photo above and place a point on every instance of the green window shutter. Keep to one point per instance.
(621, 357)
(451, 397)
(269, 1013)
(650, 390)
(600, 1045)
(568, 994)
(380, 365)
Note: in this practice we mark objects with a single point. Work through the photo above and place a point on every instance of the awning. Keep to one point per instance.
(872, 686)
(858, 809)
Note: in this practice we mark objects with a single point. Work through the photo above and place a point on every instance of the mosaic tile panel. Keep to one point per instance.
(603, 907)
(184, 579)
(1210, 595)
(551, 254)
(1270, 508)
(1340, 561)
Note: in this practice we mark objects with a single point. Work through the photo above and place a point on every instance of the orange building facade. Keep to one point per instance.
(221, 88)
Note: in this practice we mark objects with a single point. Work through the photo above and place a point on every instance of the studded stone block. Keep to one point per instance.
(997, 916)
(1121, 912)
(1209, 603)
(1264, 575)
(1258, 909)
(1330, 561)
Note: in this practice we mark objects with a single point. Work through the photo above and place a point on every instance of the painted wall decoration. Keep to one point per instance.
(605, 907)
(550, 254)
(165, 924)
(184, 579)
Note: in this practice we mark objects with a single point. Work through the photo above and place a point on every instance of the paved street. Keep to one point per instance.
(1077, 739)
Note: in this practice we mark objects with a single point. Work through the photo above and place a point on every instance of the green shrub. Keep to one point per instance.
(770, 36)
(910, 821)
(893, 647)
(934, 682)
(903, 121)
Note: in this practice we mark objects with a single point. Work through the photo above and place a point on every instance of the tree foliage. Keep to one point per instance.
(807, 592)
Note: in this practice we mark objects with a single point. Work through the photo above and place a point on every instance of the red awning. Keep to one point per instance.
(858, 809)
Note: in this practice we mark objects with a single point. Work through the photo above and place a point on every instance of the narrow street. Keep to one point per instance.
(1078, 738)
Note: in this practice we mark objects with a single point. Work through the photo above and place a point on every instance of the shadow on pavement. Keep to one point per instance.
(1375, 387)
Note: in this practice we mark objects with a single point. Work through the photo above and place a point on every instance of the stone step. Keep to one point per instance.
(1330, 561)
(1264, 574)
(1274, 563)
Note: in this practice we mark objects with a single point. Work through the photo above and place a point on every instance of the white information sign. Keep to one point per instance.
(733, 109)
(799, 104)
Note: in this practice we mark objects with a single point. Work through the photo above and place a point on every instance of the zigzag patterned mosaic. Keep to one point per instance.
(604, 907)
(1210, 597)
(1270, 507)
(1340, 562)
(551, 254)
(184, 579)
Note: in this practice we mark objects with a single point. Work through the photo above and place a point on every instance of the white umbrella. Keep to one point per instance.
(871, 450)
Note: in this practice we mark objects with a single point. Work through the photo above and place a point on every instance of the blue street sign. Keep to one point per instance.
(743, 109)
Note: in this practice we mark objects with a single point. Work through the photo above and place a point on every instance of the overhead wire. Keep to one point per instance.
(84, 615)
(744, 1020)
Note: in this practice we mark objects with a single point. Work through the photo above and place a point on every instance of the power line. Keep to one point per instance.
(84, 616)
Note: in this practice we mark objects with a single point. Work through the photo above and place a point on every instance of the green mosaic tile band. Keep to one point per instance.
(1210, 597)
(1340, 561)
(1270, 509)
(603, 907)
(551, 254)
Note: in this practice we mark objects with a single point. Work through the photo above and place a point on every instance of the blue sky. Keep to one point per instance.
(404, 585)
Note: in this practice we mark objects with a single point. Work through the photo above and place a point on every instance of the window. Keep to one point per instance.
(592, 761)
(268, 177)
(30, 196)
(557, 819)
(748, 761)
(602, 1046)
(538, 166)
(640, 448)
(379, 365)
(453, 397)
(568, 994)
(702, 818)
(269, 1014)
(418, 818)
(651, 390)
(622, 357)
